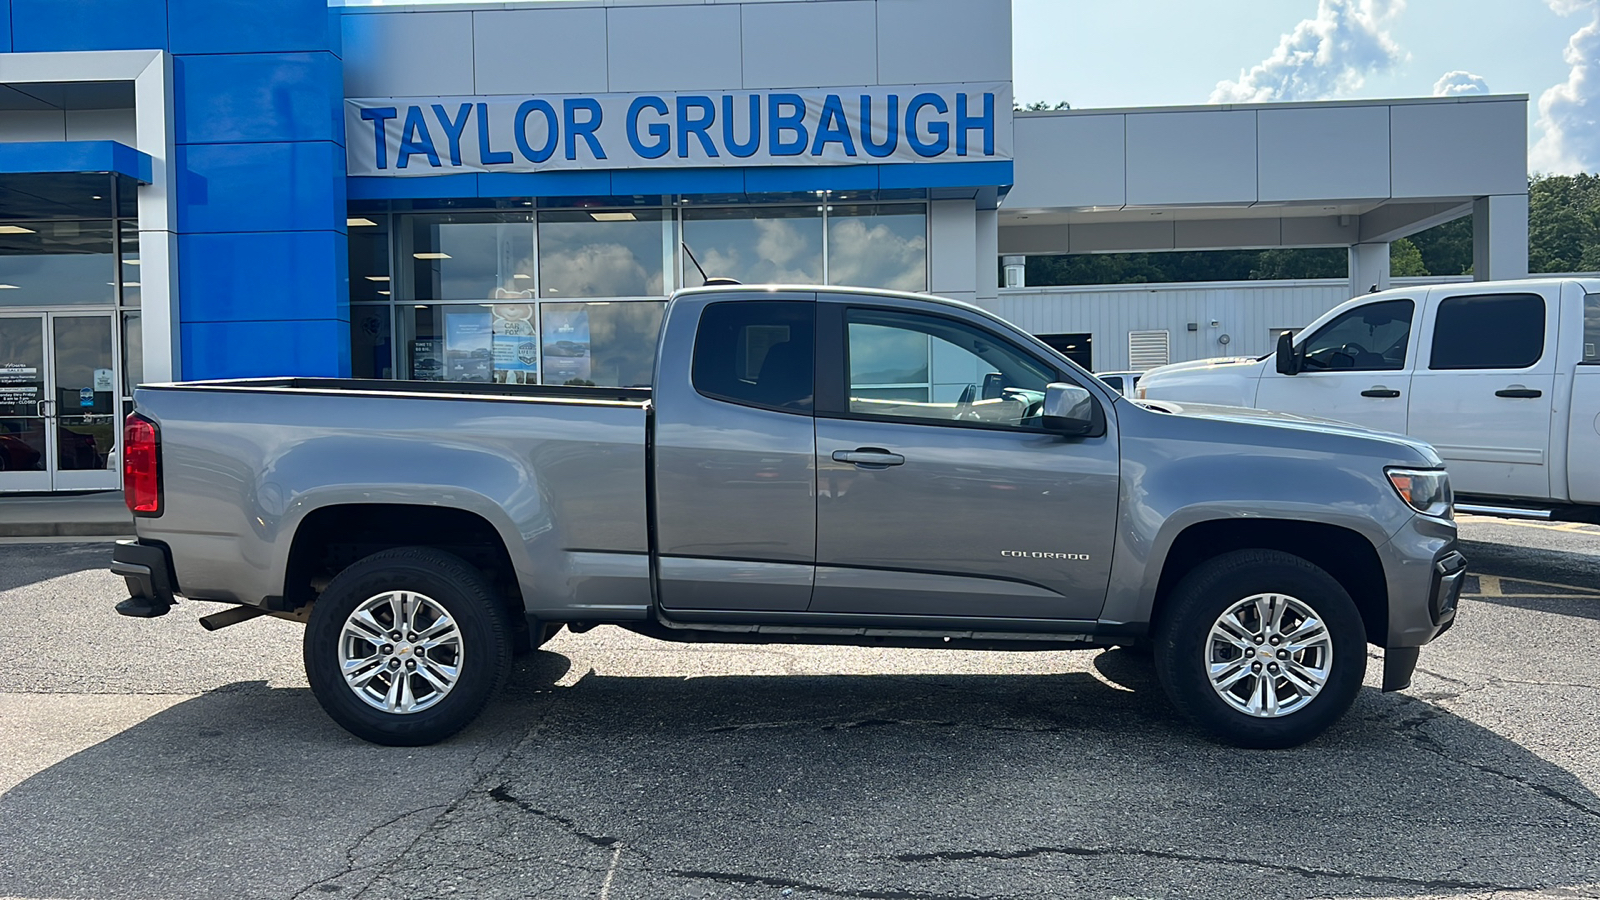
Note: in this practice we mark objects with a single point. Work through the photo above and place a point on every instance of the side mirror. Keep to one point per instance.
(1068, 409)
(1288, 359)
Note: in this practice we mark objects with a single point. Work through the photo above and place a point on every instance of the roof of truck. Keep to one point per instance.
(755, 290)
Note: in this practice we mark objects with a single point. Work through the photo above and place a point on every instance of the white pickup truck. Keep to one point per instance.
(1502, 378)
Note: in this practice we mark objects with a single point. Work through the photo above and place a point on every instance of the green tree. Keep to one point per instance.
(1405, 259)
(1446, 249)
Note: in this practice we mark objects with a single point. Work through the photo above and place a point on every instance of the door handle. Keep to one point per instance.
(39, 407)
(869, 457)
(1380, 391)
(1519, 393)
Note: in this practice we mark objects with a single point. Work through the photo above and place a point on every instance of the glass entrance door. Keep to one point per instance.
(58, 402)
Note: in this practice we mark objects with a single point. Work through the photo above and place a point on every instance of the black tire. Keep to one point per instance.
(449, 583)
(1183, 647)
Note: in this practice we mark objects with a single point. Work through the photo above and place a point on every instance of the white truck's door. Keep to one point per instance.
(1357, 369)
(1482, 390)
(1583, 438)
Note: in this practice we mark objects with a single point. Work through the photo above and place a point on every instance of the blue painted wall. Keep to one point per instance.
(258, 87)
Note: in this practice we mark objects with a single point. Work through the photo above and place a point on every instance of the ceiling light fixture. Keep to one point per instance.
(614, 217)
(385, 293)
(16, 229)
(377, 278)
(130, 262)
(359, 222)
(520, 275)
(9, 287)
(432, 256)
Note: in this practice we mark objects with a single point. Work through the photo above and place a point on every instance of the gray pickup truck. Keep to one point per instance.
(813, 465)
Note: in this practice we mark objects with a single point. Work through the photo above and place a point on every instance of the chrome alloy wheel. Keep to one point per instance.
(400, 652)
(1269, 655)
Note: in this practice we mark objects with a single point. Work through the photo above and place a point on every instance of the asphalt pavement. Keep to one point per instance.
(151, 759)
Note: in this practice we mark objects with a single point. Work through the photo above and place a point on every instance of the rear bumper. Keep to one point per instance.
(147, 570)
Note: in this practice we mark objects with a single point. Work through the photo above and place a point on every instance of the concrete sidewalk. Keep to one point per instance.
(99, 514)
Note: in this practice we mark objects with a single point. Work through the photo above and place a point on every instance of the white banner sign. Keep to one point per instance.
(535, 133)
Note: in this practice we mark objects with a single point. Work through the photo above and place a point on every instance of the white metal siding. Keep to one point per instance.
(1245, 311)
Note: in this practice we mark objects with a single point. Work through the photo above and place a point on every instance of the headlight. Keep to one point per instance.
(1425, 490)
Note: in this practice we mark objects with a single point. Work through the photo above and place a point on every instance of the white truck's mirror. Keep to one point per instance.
(1068, 409)
(1288, 360)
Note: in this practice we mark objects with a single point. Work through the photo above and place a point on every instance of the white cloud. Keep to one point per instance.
(1322, 57)
(1568, 111)
(1457, 83)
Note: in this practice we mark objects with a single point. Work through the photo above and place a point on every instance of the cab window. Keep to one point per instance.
(932, 369)
(1368, 338)
(1488, 331)
(757, 353)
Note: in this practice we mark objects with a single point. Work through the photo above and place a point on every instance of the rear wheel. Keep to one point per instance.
(1261, 649)
(406, 646)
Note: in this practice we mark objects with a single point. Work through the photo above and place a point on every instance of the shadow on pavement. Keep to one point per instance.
(907, 786)
(27, 564)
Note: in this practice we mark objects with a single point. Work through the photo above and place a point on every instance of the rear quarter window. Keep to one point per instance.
(1591, 329)
(1489, 331)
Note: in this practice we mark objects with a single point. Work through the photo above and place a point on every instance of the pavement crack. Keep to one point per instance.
(1430, 884)
(1412, 730)
(502, 795)
(741, 880)
(351, 867)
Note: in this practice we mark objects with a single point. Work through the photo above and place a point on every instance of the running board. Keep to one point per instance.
(1506, 512)
(850, 633)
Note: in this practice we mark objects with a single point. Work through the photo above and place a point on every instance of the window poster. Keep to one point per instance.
(427, 363)
(467, 344)
(566, 346)
(20, 387)
(515, 344)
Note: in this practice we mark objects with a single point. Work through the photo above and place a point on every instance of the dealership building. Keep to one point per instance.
(508, 192)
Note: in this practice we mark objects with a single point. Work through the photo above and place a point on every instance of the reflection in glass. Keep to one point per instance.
(780, 245)
(598, 253)
(879, 246)
(371, 343)
(21, 389)
(481, 343)
(369, 257)
(86, 393)
(881, 356)
(132, 352)
(476, 256)
(608, 344)
(56, 263)
(128, 241)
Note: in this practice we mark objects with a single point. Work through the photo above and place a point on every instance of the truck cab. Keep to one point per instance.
(1502, 378)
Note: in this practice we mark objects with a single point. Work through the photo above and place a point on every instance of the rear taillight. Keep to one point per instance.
(141, 466)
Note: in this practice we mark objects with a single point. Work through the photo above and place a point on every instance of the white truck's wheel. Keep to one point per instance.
(406, 646)
(1261, 649)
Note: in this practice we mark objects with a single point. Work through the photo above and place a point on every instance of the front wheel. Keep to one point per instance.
(1261, 649)
(406, 646)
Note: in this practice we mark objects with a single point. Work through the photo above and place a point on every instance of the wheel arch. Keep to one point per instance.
(1347, 555)
(329, 538)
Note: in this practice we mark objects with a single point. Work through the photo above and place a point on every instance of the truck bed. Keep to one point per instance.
(557, 472)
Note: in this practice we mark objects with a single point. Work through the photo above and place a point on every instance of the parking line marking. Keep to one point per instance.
(1489, 586)
(1492, 586)
(605, 887)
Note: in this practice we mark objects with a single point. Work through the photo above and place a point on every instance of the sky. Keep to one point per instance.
(1180, 52)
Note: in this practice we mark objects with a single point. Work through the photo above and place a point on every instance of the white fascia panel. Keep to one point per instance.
(674, 48)
(1123, 237)
(1338, 153)
(818, 44)
(943, 41)
(1460, 149)
(21, 126)
(120, 125)
(1211, 234)
(953, 235)
(408, 54)
(570, 57)
(1192, 158)
(1070, 162)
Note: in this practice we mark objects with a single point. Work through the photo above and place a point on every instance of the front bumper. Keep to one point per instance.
(1424, 572)
(147, 569)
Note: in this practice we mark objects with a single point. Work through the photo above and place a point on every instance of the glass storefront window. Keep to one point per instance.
(605, 253)
(371, 341)
(780, 245)
(369, 257)
(128, 245)
(604, 343)
(468, 256)
(878, 246)
(490, 342)
(56, 263)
